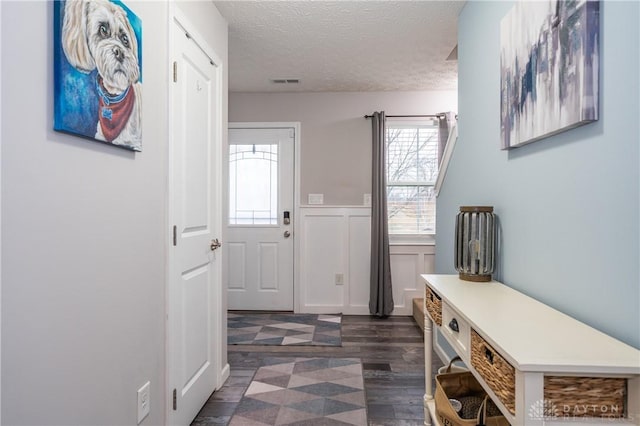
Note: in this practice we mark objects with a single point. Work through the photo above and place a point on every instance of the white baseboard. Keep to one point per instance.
(224, 375)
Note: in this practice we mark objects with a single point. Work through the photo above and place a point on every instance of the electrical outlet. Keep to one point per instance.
(144, 402)
(339, 279)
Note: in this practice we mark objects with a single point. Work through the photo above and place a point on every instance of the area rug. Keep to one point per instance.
(283, 329)
(304, 391)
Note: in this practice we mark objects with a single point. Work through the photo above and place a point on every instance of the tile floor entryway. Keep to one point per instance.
(304, 391)
(392, 356)
(264, 328)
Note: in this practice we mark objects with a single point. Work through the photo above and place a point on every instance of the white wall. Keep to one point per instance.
(83, 239)
(569, 205)
(335, 138)
(336, 240)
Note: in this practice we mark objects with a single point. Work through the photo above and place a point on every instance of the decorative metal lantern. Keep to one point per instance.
(475, 243)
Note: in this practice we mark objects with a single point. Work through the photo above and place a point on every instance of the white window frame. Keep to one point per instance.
(410, 239)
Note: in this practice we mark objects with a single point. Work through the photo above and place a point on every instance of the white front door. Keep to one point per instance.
(194, 305)
(260, 229)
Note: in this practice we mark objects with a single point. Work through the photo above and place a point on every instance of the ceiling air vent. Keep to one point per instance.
(285, 81)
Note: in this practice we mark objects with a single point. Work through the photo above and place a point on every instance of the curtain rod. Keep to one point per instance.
(407, 116)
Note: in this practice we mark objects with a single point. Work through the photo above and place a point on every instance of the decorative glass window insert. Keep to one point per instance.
(253, 184)
(412, 169)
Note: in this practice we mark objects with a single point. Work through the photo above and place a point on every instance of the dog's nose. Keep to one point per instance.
(118, 54)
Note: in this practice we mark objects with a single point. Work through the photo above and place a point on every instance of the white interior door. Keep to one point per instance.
(195, 210)
(260, 229)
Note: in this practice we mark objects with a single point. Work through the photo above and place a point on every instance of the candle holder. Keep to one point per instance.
(475, 243)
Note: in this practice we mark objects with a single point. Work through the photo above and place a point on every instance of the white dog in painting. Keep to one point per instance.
(97, 34)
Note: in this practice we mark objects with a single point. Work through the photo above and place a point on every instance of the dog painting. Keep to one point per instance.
(98, 71)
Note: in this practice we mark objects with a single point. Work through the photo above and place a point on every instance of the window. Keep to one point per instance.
(412, 169)
(253, 184)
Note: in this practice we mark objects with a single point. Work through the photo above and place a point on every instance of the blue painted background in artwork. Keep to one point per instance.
(136, 24)
(75, 95)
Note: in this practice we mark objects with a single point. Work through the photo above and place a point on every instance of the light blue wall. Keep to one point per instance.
(568, 205)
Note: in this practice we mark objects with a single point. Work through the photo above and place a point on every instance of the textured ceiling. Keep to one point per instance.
(341, 45)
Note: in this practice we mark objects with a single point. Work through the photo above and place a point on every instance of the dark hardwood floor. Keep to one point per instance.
(392, 356)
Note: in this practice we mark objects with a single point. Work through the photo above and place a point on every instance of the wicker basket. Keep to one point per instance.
(495, 370)
(464, 387)
(603, 397)
(433, 303)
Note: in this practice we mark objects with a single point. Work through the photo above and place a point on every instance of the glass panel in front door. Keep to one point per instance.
(253, 184)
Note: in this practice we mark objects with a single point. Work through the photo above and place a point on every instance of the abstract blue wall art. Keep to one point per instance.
(98, 71)
(549, 68)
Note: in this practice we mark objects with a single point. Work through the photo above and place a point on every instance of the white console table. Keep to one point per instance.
(536, 340)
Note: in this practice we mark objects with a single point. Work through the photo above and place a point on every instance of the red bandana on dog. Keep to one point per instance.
(114, 111)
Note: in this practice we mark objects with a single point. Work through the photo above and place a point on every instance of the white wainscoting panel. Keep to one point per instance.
(359, 265)
(323, 255)
(407, 264)
(336, 240)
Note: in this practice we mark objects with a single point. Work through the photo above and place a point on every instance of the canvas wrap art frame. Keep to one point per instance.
(549, 69)
(98, 71)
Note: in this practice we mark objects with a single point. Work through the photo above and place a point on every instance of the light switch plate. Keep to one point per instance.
(144, 401)
(316, 198)
(367, 200)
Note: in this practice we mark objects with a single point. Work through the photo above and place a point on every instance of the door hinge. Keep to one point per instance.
(175, 235)
(175, 71)
(175, 400)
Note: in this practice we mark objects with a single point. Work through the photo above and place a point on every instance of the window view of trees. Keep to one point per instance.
(412, 169)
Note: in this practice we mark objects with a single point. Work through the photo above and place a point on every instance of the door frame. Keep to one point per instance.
(219, 294)
(296, 194)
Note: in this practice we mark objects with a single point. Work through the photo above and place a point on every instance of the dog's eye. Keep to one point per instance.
(124, 39)
(103, 30)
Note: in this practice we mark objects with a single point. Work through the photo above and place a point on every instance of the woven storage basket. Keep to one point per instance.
(495, 370)
(462, 386)
(602, 397)
(433, 304)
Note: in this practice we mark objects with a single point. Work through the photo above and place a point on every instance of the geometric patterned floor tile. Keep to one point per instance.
(326, 389)
(281, 393)
(260, 387)
(283, 329)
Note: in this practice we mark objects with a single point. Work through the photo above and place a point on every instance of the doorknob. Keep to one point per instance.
(287, 234)
(215, 244)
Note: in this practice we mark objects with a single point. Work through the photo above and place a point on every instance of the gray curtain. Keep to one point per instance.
(445, 121)
(381, 294)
